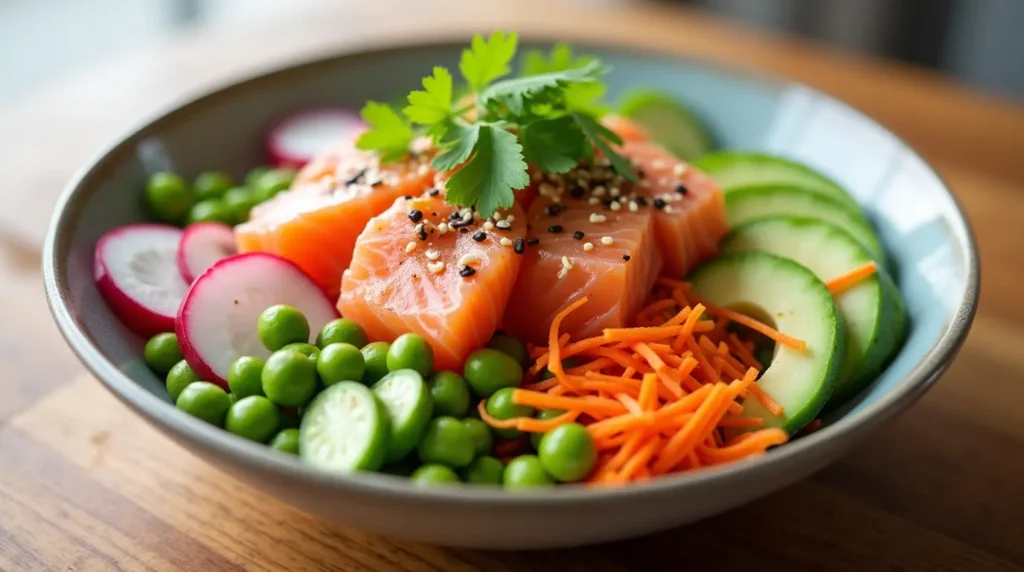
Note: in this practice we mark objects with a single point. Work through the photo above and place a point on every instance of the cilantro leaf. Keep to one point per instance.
(603, 138)
(553, 145)
(459, 143)
(535, 62)
(495, 171)
(487, 60)
(434, 104)
(514, 91)
(389, 135)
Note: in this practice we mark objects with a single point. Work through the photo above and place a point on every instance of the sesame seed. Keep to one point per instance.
(556, 198)
(460, 224)
(434, 192)
(616, 206)
(566, 264)
(470, 258)
(418, 228)
(578, 235)
(555, 228)
(488, 225)
(519, 246)
(588, 246)
(625, 257)
(680, 169)
(467, 215)
(682, 190)
(479, 236)
(433, 255)
(597, 218)
(599, 191)
(355, 177)
(410, 247)
(658, 164)
(467, 271)
(503, 225)
(442, 228)
(614, 191)
(645, 183)
(510, 218)
(422, 170)
(455, 215)
(594, 201)
(435, 267)
(415, 215)
(505, 241)
(497, 216)
(607, 240)
(642, 201)
(659, 203)
(669, 209)
(422, 235)
(553, 210)
(546, 189)
(633, 207)
(377, 183)
(533, 241)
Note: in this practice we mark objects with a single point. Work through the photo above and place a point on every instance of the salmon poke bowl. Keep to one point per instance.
(513, 296)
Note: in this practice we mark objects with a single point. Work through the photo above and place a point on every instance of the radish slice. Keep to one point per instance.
(295, 140)
(136, 274)
(202, 245)
(217, 320)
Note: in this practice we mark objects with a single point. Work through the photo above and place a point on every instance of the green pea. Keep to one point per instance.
(411, 351)
(480, 433)
(255, 418)
(281, 325)
(245, 376)
(568, 452)
(210, 210)
(168, 198)
(180, 376)
(543, 414)
(341, 331)
(272, 182)
(450, 393)
(484, 471)
(433, 474)
(162, 352)
(286, 441)
(500, 406)
(304, 348)
(509, 346)
(239, 202)
(205, 401)
(340, 362)
(524, 472)
(488, 370)
(446, 442)
(211, 185)
(375, 357)
(289, 378)
(254, 175)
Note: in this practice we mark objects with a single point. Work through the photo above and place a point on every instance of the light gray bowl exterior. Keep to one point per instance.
(930, 243)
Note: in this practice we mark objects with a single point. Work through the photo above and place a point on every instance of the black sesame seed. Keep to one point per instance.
(625, 257)
(460, 223)
(503, 225)
(577, 192)
(422, 235)
(415, 215)
(553, 210)
(682, 190)
(433, 214)
(456, 215)
(479, 236)
(578, 235)
(434, 192)
(555, 228)
(642, 201)
(659, 203)
(519, 246)
(533, 241)
(355, 177)
(378, 183)
(467, 271)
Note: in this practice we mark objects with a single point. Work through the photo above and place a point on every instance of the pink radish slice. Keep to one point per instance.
(137, 275)
(297, 138)
(202, 245)
(217, 320)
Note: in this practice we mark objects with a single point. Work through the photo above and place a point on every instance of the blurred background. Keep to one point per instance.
(977, 41)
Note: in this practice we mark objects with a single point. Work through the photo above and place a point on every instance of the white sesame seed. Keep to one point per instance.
(435, 267)
(468, 259)
(433, 255)
(594, 217)
(418, 228)
(422, 170)
(633, 207)
(645, 183)
(442, 228)
(668, 208)
(583, 182)
(556, 199)
(658, 164)
(505, 241)
(546, 189)
(497, 216)
(510, 219)
(614, 191)
(607, 240)
(680, 169)
(488, 225)
(616, 206)
(594, 201)
(588, 246)
(599, 191)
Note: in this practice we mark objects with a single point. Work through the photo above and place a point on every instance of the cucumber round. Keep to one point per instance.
(870, 311)
(344, 429)
(749, 203)
(668, 122)
(801, 306)
(407, 400)
(734, 170)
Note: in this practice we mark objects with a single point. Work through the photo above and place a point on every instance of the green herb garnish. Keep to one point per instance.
(547, 116)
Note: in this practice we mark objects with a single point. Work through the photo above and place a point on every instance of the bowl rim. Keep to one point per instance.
(256, 456)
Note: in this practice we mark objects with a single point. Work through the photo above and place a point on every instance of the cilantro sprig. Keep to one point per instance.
(546, 116)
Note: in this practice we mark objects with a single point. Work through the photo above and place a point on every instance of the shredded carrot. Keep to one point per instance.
(770, 404)
(759, 327)
(840, 284)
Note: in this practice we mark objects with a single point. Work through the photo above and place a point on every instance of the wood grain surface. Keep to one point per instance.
(87, 485)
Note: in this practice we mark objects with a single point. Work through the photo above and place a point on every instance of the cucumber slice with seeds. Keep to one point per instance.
(668, 122)
(344, 429)
(409, 405)
(791, 297)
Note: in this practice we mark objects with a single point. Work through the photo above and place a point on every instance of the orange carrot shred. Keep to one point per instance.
(840, 284)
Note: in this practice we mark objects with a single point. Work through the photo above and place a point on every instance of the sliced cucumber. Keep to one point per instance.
(733, 170)
(801, 306)
(668, 122)
(748, 203)
(344, 429)
(870, 311)
(409, 405)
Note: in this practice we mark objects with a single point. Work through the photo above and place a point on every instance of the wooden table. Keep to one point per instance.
(86, 485)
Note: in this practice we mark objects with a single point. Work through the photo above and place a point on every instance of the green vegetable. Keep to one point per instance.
(272, 182)
(289, 378)
(210, 210)
(484, 471)
(168, 197)
(239, 202)
(409, 406)
(255, 418)
(340, 362)
(543, 414)
(510, 346)
(568, 452)
(212, 185)
(450, 393)
(433, 474)
(341, 331)
(480, 433)
(411, 351)
(344, 429)
(525, 471)
(286, 441)
(162, 352)
(205, 401)
(375, 355)
(304, 348)
(245, 376)
(500, 406)
(668, 122)
(488, 370)
(180, 376)
(281, 325)
(254, 175)
(447, 442)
